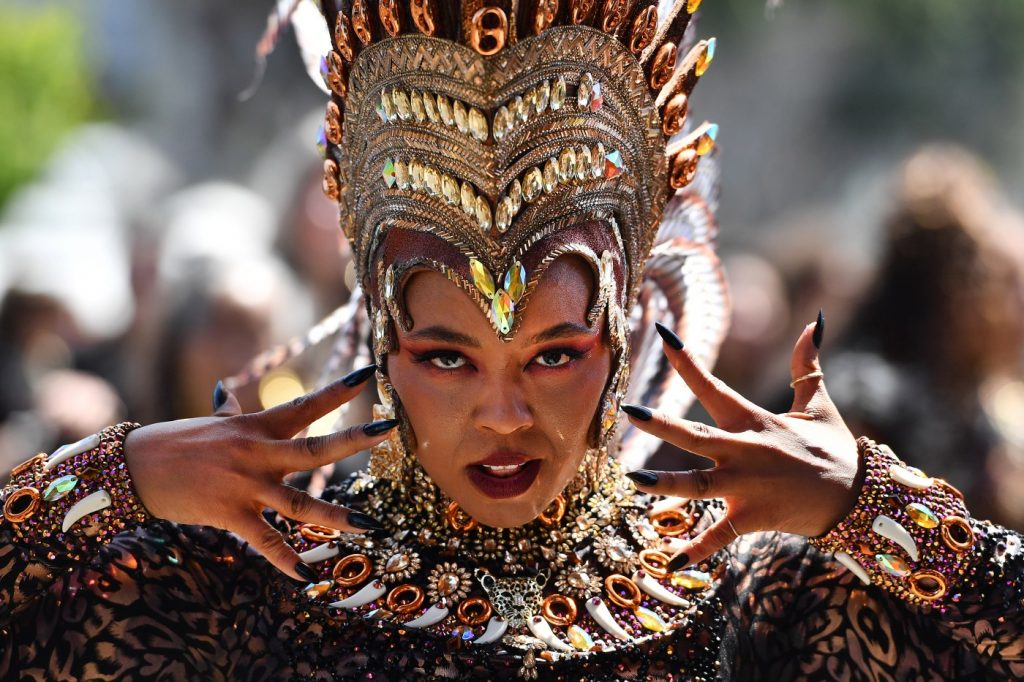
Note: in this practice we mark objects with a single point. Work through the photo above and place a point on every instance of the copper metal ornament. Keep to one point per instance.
(644, 28)
(361, 22)
(390, 16)
(424, 16)
(489, 30)
(663, 65)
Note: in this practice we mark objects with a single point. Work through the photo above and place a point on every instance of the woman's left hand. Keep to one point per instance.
(794, 472)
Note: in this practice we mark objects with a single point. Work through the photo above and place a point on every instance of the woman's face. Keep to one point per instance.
(501, 427)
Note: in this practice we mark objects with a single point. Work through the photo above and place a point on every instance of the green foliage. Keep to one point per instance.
(45, 88)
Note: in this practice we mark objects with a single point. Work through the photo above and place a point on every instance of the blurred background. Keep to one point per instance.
(156, 231)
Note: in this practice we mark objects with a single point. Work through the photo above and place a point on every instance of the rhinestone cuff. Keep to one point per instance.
(908, 533)
(68, 503)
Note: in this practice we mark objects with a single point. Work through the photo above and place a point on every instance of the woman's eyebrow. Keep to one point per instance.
(444, 335)
(561, 330)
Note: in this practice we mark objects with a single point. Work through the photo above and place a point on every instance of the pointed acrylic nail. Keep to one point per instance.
(220, 395)
(678, 562)
(643, 476)
(363, 521)
(306, 572)
(670, 336)
(819, 329)
(358, 376)
(637, 411)
(379, 427)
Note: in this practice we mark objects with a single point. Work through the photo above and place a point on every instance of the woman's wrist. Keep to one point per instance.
(75, 499)
(907, 532)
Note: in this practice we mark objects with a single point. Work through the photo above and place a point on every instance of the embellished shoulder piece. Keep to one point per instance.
(588, 576)
(908, 533)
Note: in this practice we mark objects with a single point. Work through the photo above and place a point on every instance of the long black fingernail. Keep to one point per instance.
(819, 329)
(220, 395)
(379, 427)
(306, 572)
(638, 411)
(363, 521)
(358, 376)
(671, 338)
(643, 476)
(678, 562)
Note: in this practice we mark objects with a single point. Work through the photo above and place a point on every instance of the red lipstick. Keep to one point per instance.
(504, 474)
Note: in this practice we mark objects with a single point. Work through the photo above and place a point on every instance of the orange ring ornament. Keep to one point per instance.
(957, 534)
(474, 611)
(404, 598)
(654, 562)
(554, 513)
(671, 522)
(559, 609)
(928, 584)
(316, 533)
(616, 582)
(352, 570)
(21, 504)
(458, 519)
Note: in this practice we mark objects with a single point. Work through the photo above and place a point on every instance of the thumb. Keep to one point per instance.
(807, 382)
(225, 404)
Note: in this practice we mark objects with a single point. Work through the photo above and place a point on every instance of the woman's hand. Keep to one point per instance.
(794, 472)
(224, 470)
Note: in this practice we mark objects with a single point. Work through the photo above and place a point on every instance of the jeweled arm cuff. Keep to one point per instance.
(68, 503)
(908, 533)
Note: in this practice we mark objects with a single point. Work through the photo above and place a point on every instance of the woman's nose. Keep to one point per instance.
(503, 409)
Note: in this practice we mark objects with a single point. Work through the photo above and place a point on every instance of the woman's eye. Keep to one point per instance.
(448, 361)
(553, 358)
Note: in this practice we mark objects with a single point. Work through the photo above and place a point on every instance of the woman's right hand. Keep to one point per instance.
(226, 469)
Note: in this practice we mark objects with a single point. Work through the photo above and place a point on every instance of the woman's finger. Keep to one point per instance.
(303, 454)
(266, 539)
(225, 404)
(696, 437)
(722, 402)
(808, 382)
(701, 484)
(303, 507)
(716, 537)
(287, 419)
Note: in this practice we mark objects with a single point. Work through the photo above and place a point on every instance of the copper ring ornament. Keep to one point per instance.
(559, 610)
(928, 584)
(489, 31)
(21, 504)
(622, 591)
(458, 519)
(654, 562)
(554, 513)
(317, 533)
(957, 534)
(404, 598)
(671, 522)
(28, 464)
(474, 611)
(352, 570)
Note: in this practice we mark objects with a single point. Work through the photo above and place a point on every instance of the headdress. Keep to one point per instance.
(485, 138)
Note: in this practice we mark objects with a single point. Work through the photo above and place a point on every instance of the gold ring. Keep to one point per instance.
(352, 570)
(21, 504)
(317, 533)
(671, 522)
(559, 609)
(810, 375)
(957, 533)
(631, 599)
(655, 562)
(474, 611)
(927, 584)
(404, 598)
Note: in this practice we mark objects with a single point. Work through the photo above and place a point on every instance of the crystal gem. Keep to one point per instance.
(922, 515)
(515, 281)
(585, 90)
(579, 580)
(389, 172)
(542, 97)
(477, 124)
(524, 545)
(533, 183)
(416, 175)
(522, 111)
(389, 283)
(401, 99)
(893, 564)
(430, 108)
(447, 584)
(416, 103)
(503, 214)
(397, 563)
(490, 544)
(315, 590)
(596, 97)
(483, 213)
(550, 175)
(432, 181)
(461, 116)
(402, 174)
(707, 141)
(650, 620)
(597, 161)
(60, 487)
(444, 108)
(558, 94)
(381, 113)
(610, 414)
(515, 195)
(321, 142)
(579, 638)
(584, 160)
(502, 123)
(692, 5)
(482, 278)
(468, 198)
(705, 58)
(613, 164)
(463, 632)
(450, 189)
(388, 106)
(691, 580)
(502, 308)
(567, 165)
(617, 553)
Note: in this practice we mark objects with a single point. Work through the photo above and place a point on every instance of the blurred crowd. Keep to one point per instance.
(124, 295)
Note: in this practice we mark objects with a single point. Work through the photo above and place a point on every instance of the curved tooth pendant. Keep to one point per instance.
(370, 592)
(435, 614)
(855, 568)
(495, 629)
(66, 452)
(652, 587)
(909, 478)
(890, 528)
(93, 502)
(319, 553)
(598, 610)
(542, 631)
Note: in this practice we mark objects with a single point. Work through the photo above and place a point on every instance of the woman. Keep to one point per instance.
(494, 535)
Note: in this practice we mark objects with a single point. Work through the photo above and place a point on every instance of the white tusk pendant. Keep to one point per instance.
(909, 478)
(855, 568)
(495, 629)
(93, 502)
(598, 610)
(652, 587)
(66, 452)
(542, 631)
(435, 614)
(369, 593)
(891, 528)
(319, 553)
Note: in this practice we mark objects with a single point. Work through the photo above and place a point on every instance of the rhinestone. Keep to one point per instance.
(490, 544)
(387, 105)
(321, 142)
(397, 563)
(522, 111)
(432, 181)
(611, 413)
(389, 172)
(613, 164)
(430, 107)
(461, 117)
(389, 283)
(579, 580)
(706, 142)
(705, 58)
(444, 108)
(402, 174)
(401, 99)
(316, 590)
(617, 553)
(893, 564)
(567, 165)
(533, 183)
(477, 124)
(692, 5)
(501, 309)
(482, 211)
(502, 123)
(579, 638)
(503, 214)
(450, 189)
(650, 620)
(515, 281)
(416, 175)
(468, 198)
(380, 111)
(584, 162)
(596, 97)
(524, 545)
(691, 580)
(597, 161)
(515, 195)
(585, 90)
(416, 103)
(558, 94)
(542, 97)
(447, 584)
(922, 515)
(550, 175)
(60, 487)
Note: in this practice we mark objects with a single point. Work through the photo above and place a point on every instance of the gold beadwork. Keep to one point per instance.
(318, 533)
(614, 14)
(28, 464)
(337, 77)
(684, 169)
(629, 597)
(352, 570)
(489, 30)
(581, 11)
(544, 14)
(559, 610)
(675, 114)
(21, 504)
(957, 534)
(331, 185)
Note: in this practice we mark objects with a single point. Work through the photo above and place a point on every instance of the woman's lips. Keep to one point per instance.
(503, 480)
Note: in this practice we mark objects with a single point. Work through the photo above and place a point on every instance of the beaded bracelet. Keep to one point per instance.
(76, 498)
(908, 533)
